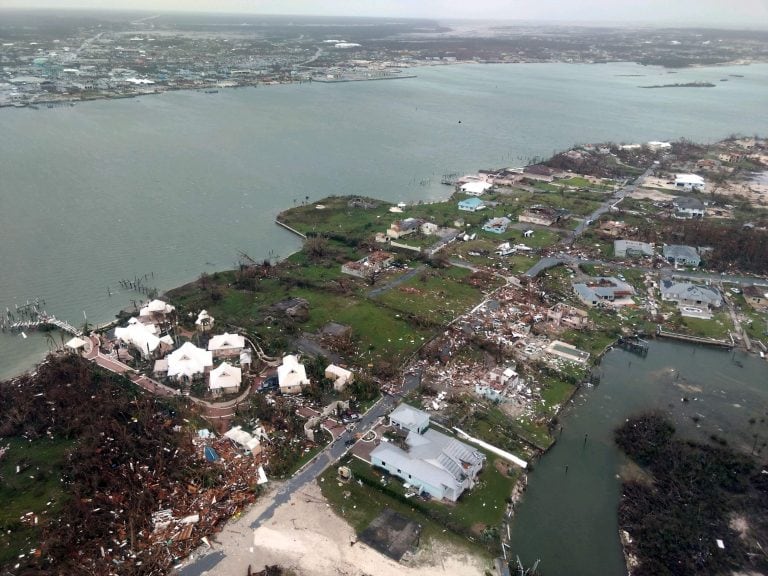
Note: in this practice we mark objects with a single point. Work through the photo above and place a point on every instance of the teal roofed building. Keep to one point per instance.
(471, 205)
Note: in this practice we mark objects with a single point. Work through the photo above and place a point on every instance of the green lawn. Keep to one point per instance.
(436, 295)
(338, 218)
(482, 506)
(29, 491)
(717, 327)
(380, 331)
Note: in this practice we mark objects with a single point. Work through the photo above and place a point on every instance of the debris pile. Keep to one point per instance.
(143, 489)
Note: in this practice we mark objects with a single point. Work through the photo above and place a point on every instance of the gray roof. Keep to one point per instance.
(409, 416)
(678, 251)
(688, 203)
(395, 457)
(449, 453)
(584, 292)
(687, 291)
(432, 457)
(602, 286)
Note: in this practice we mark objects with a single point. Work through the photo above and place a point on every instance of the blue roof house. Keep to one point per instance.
(471, 205)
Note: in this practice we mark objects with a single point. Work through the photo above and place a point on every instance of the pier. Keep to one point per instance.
(661, 333)
(291, 229)
(45, 320)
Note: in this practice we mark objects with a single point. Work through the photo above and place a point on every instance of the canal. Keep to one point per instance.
(567, 518)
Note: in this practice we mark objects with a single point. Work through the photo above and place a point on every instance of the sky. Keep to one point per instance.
(747, 13)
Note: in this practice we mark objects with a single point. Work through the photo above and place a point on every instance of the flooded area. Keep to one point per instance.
(567, 517)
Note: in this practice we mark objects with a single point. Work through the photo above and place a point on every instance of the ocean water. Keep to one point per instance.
(175, 185)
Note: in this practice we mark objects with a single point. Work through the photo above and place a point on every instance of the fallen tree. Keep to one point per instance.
(682, 521)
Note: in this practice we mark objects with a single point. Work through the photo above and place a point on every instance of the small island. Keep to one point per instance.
(683, 85)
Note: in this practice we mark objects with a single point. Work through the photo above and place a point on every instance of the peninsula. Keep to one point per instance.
(453, 331)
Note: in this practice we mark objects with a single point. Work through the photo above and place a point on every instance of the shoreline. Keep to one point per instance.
(68, 102)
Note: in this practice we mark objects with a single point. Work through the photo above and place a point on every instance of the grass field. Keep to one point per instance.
(436, 295)
(718, 327)
(481, 507)
(31, 490)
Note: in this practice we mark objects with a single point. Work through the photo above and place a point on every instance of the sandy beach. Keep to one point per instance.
(307, 537)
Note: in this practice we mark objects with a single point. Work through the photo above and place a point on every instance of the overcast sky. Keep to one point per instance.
(751, 13)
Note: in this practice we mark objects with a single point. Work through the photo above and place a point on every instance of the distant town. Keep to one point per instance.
(48, 59)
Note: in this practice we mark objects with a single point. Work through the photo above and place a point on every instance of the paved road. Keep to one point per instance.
(614, 199)
(312, 470)
(396, 282)
(210, 409)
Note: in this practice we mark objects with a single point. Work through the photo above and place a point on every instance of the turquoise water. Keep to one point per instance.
(177, 184)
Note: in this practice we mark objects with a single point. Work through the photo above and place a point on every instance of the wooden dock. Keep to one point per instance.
(43, 321)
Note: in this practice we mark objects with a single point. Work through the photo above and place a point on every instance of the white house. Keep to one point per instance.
(225, 379)
(434, 463)
(244, 439)
(475, 188)
(143, 337)
(291, 375)
(204, 320)
(624, 248)
(409, 418)
(225, 345)
(188, 361)
(340, 376)
(156, 309)
(689, 182)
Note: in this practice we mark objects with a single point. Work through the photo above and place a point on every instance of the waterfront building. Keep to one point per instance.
(434, 463)
(142, 337)
(156, 311)
(688, 294)
(475, 187)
